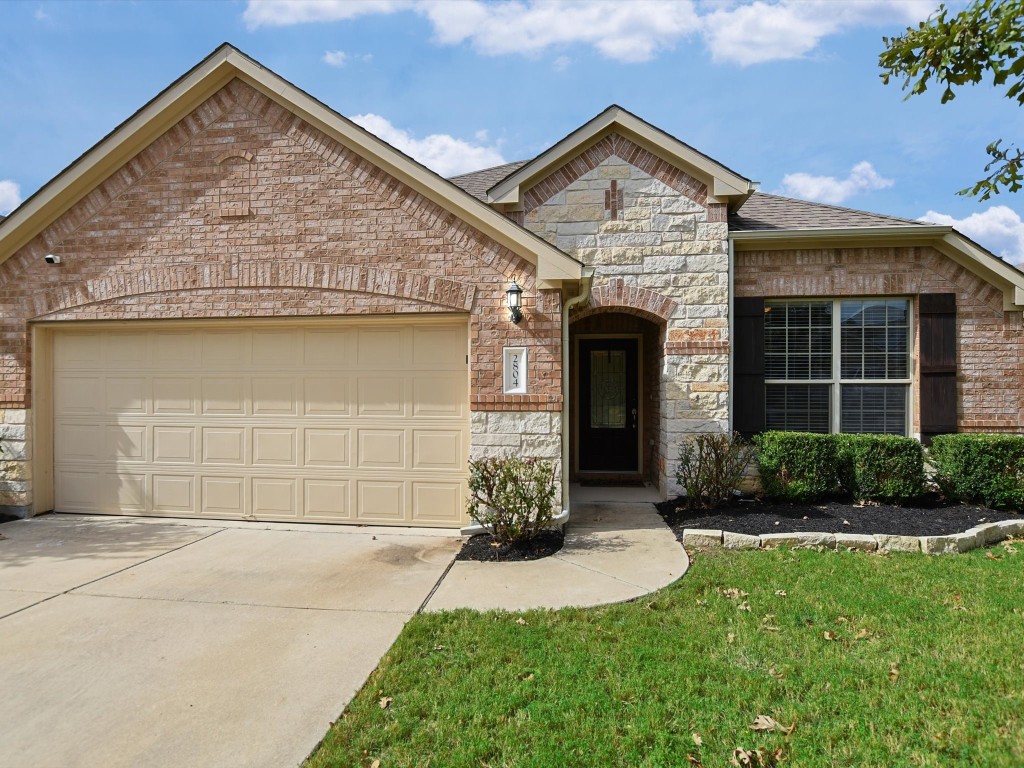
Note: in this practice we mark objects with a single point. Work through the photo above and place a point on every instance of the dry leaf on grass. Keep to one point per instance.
(734, 593)
(767, 723)
(697, 739)
(730, 638)
(775, 673)
(780, 593)
(385, 702)
(894, 672)
(993, 556)
(694, 761)
(829, 635)
(375, 764)
(864, 634)
(744, 606)
(521, 622)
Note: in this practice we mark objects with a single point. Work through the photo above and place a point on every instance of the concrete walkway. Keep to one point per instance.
(613, 552)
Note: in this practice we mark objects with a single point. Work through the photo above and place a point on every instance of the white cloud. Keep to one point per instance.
(561, 63)
(335, 58)
(1000, 229)
(283, 13)
(10, 196)
(828, 189)
(741, 32)
(440, 152)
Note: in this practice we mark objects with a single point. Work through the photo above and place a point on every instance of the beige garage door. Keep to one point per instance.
(354, 422)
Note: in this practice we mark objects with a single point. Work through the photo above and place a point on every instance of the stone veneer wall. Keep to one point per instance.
(242, 209)
(990, 342)
(660, 251)
(528, 435)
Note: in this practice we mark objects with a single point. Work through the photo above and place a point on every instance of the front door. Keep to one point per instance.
(609, 403)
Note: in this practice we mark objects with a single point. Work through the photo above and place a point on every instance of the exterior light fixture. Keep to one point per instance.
(514, 299)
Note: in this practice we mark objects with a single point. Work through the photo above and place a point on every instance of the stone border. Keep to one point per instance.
(979, 536)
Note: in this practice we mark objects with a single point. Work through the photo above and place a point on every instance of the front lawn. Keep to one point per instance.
(898, 660)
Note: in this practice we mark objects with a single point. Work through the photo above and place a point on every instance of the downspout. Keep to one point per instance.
(732, 322)
(581, 298)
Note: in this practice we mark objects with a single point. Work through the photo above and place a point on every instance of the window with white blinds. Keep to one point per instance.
(837, 365)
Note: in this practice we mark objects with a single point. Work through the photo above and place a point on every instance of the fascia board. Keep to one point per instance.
(721, 181)
(946, 240)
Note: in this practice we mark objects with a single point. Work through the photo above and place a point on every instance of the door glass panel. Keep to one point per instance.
(608, 389)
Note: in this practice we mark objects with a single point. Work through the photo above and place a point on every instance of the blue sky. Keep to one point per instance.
(784, 92)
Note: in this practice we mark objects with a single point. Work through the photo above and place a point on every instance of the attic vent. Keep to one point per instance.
(235, 171)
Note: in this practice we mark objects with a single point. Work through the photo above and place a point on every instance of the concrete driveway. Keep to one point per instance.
(170, 643)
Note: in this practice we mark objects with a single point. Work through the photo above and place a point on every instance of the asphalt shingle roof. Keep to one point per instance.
(478, 182)
(774, 212)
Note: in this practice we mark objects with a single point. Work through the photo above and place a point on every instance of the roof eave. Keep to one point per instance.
(205, 79)
(724, 185)
(945, 239)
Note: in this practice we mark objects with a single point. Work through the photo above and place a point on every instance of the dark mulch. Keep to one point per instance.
(482, 548)
(930, 517)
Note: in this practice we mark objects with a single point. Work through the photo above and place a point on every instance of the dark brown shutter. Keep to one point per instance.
(748, 366)
(938, 364)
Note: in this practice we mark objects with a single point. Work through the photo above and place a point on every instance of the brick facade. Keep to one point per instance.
(242, 209)
(990, 342)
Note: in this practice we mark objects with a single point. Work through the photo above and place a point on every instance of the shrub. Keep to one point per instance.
(980, 468)
(797, 466)
(880, 467)
(710, 468)
(512, 496)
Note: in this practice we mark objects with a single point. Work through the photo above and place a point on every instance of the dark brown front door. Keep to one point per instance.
(609, 403)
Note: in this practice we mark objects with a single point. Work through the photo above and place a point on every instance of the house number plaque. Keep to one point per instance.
(514, 370)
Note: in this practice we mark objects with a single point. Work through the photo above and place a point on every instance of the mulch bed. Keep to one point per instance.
(930, 517)
(482, 548)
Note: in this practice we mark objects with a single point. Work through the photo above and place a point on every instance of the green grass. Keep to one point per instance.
(628, 685)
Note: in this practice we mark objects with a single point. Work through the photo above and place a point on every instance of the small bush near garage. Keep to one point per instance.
(880, 467)
(980, 468)
(797, 466)
(511, 496)
(711, 467)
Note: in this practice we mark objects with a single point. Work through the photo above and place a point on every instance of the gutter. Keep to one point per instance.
(581, 298)
(881, 233)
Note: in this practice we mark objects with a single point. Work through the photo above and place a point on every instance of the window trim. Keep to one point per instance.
(836, 381)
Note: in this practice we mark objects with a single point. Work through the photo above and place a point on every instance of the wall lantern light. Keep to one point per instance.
(514, 299)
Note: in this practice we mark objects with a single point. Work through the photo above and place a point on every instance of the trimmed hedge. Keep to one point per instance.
(797, 466)
(880, 467)
(980, 468)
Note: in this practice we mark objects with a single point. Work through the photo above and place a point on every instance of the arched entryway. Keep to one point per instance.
(615, 362)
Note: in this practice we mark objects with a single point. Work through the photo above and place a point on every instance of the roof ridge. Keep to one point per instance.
(739, 211)
(485, 170)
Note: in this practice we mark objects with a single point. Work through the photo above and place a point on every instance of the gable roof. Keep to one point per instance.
(724, 184)
(774, 212)
(478, 182)
(203, 81)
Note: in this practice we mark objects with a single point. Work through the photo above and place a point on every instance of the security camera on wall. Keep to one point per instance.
(52, 258)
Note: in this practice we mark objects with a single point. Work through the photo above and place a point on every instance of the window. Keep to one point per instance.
(837, 365)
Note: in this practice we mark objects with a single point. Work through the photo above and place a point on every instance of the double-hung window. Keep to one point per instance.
(837, 365)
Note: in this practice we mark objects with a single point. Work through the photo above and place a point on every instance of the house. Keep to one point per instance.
(240, 304)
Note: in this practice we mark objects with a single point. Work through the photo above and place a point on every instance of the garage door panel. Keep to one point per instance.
(222, 496)
(174, 494)
(125, 442)
(274, 446)
(437, 502)
(174, 445)
(174, 396)
(438, 449)
(327, 396)
(359, 422)
(125, 394)
(274, 497)
(327, 500)
(224, 395)
(79, 442)
(381, 501)
(275, 396)
(223, 445)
